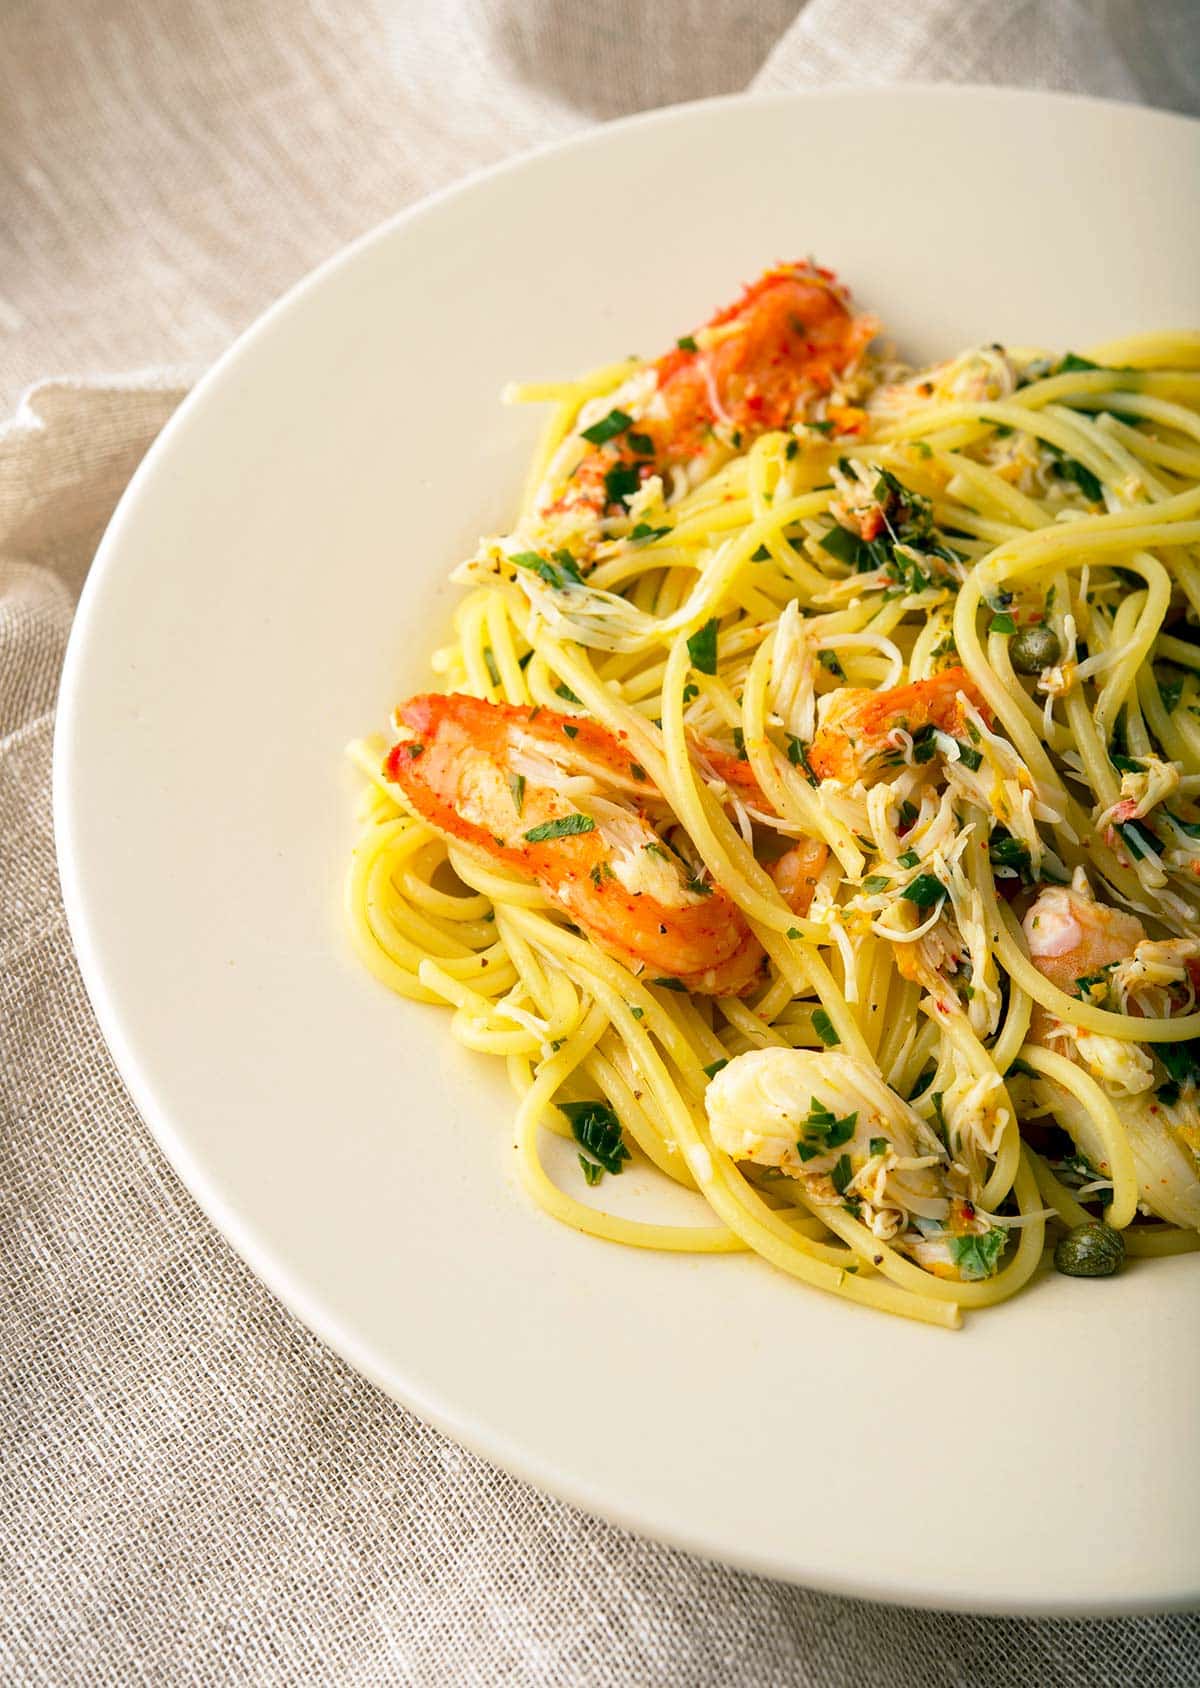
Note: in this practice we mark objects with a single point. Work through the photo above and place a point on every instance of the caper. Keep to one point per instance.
(1033, 649)
(1093, 1250)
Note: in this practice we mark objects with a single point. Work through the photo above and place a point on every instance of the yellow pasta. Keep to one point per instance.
(892, 676)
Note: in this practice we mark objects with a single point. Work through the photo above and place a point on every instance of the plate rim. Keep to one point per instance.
(240, 1233)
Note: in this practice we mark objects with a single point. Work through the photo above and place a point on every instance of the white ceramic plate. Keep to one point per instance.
(272, 583)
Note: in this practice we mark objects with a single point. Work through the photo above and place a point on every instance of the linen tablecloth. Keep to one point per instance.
(193, 1489)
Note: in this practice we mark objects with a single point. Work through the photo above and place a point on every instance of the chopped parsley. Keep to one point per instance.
(643, 533)
(592, 1170)
(620, 484)
(880, 1145)
(516, 784)
(564, 691)
(1088, 982)
(969, 756)
(876, 882)
(670, 984)
(1182, 1061)
(828, 659)
(641, 445)
(714, 1067)
(824, 1028)
(978, 1255)
(1072, 363)
(557, 573)
(490, 662)
(797, 755)
(570, 731)
(924, 891)
(910, 858)
(566, 826)
(1071, 469)
(597, 1129)
(847, 547)
(823, 1130)
(687, 343)
(1002, 623)
(608, 427)
(702, 647)
(1004, 851)
(842, 1173)
(924, 744)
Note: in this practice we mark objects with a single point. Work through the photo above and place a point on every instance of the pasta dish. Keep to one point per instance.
(808, 802)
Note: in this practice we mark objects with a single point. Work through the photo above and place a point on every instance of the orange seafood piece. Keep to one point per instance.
(734, 770)
(493, 775)
(797, 871)
(859, 722)
(754, 367)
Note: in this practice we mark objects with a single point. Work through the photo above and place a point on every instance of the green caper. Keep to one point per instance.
(1093, 1250)
(1033, 649)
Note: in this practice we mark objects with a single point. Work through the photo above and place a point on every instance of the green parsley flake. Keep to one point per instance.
(824, 1131)
(824, 1028)
(558, 574)
(620, 484)
(702, 647)
(608, 427)
(977, 1256)
(566, 826)
(597, 1129)
(924, 891)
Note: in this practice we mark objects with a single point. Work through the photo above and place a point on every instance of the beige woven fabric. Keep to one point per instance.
(192, 1489)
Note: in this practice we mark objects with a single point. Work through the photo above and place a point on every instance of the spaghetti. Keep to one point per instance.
(811, 807)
